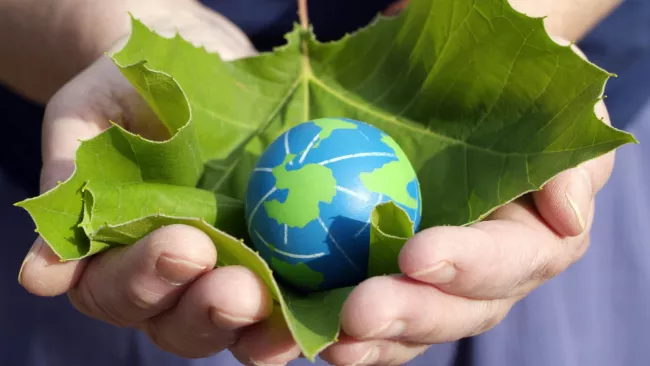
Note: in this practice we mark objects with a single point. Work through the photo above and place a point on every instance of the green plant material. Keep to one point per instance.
(120, 193)
(390, 228)
(313, 318)
(484, 104)
(305, 276)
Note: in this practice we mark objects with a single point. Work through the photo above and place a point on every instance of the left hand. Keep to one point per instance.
(468, 278)
(461, 281)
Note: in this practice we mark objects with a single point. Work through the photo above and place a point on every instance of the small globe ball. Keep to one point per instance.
(311, 194)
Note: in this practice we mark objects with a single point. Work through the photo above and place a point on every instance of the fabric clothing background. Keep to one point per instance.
(596, 313)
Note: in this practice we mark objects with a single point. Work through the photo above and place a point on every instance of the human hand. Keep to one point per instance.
(459, 282)
(165, 284)
(462, 281)
(174, 312)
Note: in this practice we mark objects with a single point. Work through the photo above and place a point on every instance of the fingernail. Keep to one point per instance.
(30, 255)
(228, 321)
(390, 330)
(579, 193)
(177, 271)
(441, 273)
(369, 358)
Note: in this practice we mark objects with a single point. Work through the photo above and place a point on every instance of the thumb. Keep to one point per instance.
(565, 202)
(42, 272)
(79, 111)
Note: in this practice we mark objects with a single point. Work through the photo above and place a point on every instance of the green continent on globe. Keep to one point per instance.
(328, 125)
(392, 179)
(300, 273)
(308, 186)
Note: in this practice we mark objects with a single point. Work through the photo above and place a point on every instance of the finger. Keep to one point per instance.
(43, 274)
(126, 286)
(399, 308)
(348, 351)
(564, 201)
(79, 111)
(500, 258)
(211, 313)
(266, 343)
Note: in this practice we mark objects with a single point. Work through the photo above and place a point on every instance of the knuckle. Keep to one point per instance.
(84, 299)
(548, 264)
(491, 314)
(543, 273)
(155, 334)
(180, 344)
(435, 332)
(547, 270)
(139, 298)
(79, 303)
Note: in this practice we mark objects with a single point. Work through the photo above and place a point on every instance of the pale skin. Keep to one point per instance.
(467, 278)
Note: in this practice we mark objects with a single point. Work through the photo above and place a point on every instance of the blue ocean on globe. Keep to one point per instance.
(311, 194)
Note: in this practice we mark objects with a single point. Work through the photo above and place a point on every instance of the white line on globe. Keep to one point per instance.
(290, 255)
(322, 224)
(351, 193)
(363, 134)
(257, 206)
(358, 155)
(286, 234)
(286, 145)
(263, 170)
(311, 143)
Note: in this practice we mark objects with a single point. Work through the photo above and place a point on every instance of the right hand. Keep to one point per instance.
(166, 284)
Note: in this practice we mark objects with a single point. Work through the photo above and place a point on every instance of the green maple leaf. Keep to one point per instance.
(484, 104)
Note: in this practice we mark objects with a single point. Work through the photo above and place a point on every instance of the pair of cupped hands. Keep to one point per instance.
(457, 281)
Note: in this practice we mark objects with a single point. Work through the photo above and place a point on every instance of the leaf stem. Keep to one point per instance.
(303, 14)
(306, 67)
